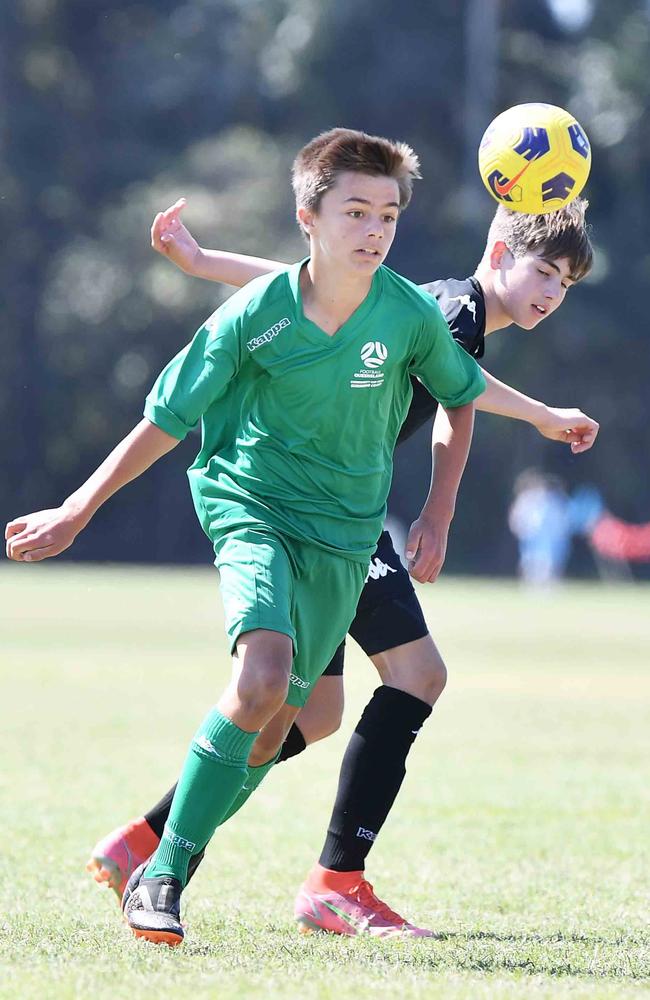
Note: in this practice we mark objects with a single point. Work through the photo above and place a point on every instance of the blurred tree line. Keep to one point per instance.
(109, 111)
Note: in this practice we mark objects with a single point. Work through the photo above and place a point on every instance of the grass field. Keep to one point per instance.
(522, 834)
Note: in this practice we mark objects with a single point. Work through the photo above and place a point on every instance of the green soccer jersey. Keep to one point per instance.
(298, 427)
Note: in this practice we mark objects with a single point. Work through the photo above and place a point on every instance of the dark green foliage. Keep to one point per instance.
(111, 110)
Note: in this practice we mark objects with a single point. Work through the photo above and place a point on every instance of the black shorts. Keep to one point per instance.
(388, 612)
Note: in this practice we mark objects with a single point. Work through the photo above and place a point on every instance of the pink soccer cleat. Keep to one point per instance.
(345, 903)
(114, 858)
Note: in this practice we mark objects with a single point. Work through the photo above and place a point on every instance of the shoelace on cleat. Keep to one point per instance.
(365, 893)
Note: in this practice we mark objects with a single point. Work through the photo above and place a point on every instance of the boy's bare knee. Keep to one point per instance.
(322, 728)
(261, 679)
(438, 680)
(334, 727)
(426, 680)
(263, 684)
(416, 667)
(333, 722)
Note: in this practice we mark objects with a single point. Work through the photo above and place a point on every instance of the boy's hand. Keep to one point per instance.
(571, 426)
(426, 547)
(171, 238)
(41, 535)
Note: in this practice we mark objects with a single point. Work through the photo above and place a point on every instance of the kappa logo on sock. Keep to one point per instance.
(366, 834)
(177, 841)
(204, 743)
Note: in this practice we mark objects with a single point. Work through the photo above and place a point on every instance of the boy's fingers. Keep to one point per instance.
(426, 565)
(17, 547)
(28, 540)
(36, 555)
(155, 229)
(412, 543)
(171, 213)
(582, 439)
(13, 550)
(13, 527)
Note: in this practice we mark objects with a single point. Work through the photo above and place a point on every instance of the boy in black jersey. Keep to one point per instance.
(528, 264)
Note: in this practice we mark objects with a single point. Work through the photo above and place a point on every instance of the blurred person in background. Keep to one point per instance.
(539, 518)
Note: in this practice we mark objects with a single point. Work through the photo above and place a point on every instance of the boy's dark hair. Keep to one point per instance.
(318, 164)
(563, 233)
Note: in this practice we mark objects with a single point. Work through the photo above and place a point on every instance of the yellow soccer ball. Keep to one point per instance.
(534, 158)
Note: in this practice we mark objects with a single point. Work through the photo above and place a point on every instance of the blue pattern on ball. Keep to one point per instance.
(579, 140)
(559, 186)
(496, 177)
(534, 143)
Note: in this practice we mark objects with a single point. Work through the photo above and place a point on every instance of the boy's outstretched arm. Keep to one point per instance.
(570, 426)
(171, 238)
(46, 533)
(426, 545)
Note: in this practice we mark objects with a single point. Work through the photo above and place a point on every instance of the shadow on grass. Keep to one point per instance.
(556, 938)
(580, 955)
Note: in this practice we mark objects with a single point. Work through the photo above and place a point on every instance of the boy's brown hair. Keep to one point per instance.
(318, 164)
(563, 233)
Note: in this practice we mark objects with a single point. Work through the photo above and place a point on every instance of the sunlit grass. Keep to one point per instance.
(521, 835)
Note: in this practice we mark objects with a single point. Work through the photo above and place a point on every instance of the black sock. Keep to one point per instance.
(372, 772)
(294, 743)
(157, 817)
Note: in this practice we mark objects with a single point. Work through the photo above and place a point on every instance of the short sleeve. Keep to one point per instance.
(198, 375)
(447, 371)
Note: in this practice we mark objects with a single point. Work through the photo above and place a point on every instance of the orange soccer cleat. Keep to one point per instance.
(345, 903)
(114, 858)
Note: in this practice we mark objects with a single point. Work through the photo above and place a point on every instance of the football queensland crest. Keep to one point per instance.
(373, 354)
(534, 158)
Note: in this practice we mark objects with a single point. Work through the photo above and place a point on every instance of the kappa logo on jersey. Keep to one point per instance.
(378, 569)
(298, 681)
(268, 335)
(373, 355)
(467, 302)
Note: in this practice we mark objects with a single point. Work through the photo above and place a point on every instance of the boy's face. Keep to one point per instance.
(531, 287)
(354, 225)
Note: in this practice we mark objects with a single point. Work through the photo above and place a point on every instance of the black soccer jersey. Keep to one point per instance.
(463, 306)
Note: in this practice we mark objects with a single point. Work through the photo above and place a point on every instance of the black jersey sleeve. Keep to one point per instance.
(463, 306)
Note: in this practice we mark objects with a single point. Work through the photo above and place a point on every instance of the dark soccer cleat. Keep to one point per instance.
(152, 908)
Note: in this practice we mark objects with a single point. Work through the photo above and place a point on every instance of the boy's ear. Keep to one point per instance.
(305, 217)
(500, 256)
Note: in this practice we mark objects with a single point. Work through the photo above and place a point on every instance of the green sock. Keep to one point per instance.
(254, 778)
(212, 777)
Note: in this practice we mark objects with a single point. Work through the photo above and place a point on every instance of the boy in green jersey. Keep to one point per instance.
(528, 264)
(301, 383)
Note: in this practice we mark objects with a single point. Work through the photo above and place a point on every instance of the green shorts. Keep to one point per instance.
(288, 586)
